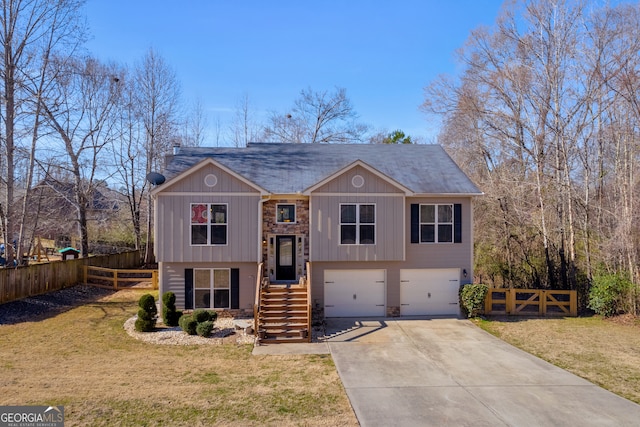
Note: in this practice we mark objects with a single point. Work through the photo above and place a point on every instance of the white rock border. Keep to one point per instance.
(163, 335)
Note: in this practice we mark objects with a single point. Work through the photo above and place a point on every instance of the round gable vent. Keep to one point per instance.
(210, 180)
(357, 181)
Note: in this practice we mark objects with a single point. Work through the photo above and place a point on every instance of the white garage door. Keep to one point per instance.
(354, 293)
(432, 291)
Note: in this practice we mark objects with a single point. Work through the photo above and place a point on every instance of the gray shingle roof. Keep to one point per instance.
(292, 168)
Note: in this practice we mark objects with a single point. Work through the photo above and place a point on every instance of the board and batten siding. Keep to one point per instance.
(196, 182)
(371, 183)
(325, 218)
(173, 233)
(207, 184)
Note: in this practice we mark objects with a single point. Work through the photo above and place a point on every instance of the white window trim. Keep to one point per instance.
(436, 223)
(295, 213)
(208, 224)
(358, 224)
(212, 288)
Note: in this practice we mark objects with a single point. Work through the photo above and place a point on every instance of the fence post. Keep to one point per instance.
(488, 302)
(573, 303)
(115, 279)
(154, 279)
(85, 269)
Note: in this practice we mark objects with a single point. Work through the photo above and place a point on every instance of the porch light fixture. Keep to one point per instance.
(464, 272)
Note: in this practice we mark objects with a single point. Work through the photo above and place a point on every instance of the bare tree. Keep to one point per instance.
(80, 111)
(157, 97)
(317, 117)
(129, 155)
(527, 118)
(195, 126)
(30, 31)
(243, 127)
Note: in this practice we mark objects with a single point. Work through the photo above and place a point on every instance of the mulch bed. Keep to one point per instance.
(47, 305)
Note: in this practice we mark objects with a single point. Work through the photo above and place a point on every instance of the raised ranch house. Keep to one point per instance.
(341, 230)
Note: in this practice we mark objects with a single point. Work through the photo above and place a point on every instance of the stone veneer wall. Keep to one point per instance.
(270, 226)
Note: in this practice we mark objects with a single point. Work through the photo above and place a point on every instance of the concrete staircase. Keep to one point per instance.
(284, 314)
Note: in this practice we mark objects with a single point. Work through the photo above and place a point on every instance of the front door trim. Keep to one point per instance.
(285, 257)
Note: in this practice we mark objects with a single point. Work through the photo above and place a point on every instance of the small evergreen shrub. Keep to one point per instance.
(170, 315)
(146, 321)
(201, 315)
(182, 320)
(610, 294)
(199, 322)
(188, 324)
(472, 298)
(204, 328)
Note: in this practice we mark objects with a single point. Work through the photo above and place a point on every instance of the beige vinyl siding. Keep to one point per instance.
(325, 229)
(173, 237)
(425, 255)
(344, 183)
(195, 182)
(325, 218)
(172, 279)
(442, 255)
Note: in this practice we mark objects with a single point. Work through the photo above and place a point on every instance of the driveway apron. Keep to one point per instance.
(448, 372)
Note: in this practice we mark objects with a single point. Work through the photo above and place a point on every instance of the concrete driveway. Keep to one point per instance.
(448, 372)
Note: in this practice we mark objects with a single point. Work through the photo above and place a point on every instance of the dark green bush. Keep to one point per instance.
(182, 320)
(148, 304)
(170, 315)
(204, 328)
(146, 321)
(188, 324)
(472, 298)
(610, 294)
(201, 315)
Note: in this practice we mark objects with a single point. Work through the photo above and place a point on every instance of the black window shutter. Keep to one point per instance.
(188, 288)
(415, 223)
(457, 223)
(235, 288)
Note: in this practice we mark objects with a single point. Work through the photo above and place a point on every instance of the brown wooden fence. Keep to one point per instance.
(531, 302)
(116, 278)
(23, 282)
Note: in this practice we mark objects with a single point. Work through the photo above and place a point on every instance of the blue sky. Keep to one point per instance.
(383, 52)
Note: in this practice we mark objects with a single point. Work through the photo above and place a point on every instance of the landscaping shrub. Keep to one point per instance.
(199, 322)
(204, 328)
(170, 315)
(188, 324)
(146, 321)
(610, 294)
(472, 298)
(201, 315)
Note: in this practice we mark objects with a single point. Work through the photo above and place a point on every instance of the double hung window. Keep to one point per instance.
(208, 224)
(357, 224)
(211, 288)
(436, 223)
